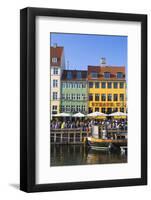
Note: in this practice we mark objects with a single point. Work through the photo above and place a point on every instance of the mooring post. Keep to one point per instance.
(61, 137)
(74, 137)
(68, 137)
(54, 137)
(80, 135)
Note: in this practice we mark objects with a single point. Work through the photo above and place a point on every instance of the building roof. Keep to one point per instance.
(56, 52)
(74, 75)
(113, 70)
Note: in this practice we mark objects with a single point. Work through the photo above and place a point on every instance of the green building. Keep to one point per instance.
(74, 91)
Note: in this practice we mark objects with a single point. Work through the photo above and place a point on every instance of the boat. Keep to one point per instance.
(106, 144)
(116, 142)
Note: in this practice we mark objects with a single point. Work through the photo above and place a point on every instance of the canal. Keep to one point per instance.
(78, 154)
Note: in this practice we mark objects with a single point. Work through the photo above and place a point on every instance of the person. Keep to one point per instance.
(63, 125)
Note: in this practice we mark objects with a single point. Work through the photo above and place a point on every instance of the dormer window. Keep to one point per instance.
(119, 75)
(106, 74)
(79, 75)
(69, 75)
(54, 59)
(94, 75)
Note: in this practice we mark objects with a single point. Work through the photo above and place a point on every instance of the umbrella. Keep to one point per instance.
(78, 115)
(62, 115)
(118, 114)
(96, 114)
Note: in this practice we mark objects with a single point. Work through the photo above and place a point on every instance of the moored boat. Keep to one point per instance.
(105, 144)
(113, 142)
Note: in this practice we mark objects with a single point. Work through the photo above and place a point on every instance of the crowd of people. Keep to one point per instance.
(86, 124)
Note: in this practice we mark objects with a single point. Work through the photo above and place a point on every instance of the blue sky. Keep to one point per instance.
(82, 50)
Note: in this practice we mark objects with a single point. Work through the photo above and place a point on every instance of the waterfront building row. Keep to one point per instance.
(99, 88)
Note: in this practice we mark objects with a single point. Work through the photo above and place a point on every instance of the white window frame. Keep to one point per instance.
(54, 59)
(55, 71)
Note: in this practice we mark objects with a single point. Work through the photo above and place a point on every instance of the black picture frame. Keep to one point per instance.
(28, 99)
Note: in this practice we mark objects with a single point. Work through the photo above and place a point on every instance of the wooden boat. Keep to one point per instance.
(106, 141)
(107, 144)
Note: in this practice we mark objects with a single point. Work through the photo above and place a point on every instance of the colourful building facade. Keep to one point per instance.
(99, 88)
(106, 89)
(74, 91)
(57, 65)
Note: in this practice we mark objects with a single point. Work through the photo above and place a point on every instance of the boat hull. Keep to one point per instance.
(106, 144)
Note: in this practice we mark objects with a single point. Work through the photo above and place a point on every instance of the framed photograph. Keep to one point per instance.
(83, 99)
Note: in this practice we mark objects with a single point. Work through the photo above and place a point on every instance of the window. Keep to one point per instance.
(90, 84)
(84, 96)
(121, 97)
(97, 109)
(90, 110)
(68, 96)
(55, 83)
(97, 85)
(83, 108)
(103, 84)
(121, 84)
(109, 97)
(54, 112)
(73, 108)
(119, 75)
(69, 75)
(75, 85)
(90, 97)
(63, 96)
(109, 110)
(106, 74)
(97, 97)
(54, 59)
(73, 96)
(94, 75)
(63, 85)
(103, 110)
(83, 85)
(55, 95)
(78, 96)
(62, 109)
(68, 85)
(79, 75)
(115, 85)
(115, 97)
(78, 85)
(55, 71)
(115, 110)
(54, 107)
(78, 108)
(121, 109)
(109, 85)
(103, 97)
(67, 108)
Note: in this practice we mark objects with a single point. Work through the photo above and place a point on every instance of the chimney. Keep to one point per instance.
(55, 45)
(103, 61)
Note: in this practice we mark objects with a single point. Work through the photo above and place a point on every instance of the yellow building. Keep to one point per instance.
(106, 89)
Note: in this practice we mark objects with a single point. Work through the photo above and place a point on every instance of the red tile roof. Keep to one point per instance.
(56, 52)
(102, 69)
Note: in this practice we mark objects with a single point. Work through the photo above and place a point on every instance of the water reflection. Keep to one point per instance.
(80, 155)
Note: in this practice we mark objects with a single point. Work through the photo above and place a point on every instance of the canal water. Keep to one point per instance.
(63, 155)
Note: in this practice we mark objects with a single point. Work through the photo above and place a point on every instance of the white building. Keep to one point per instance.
(57, 64)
